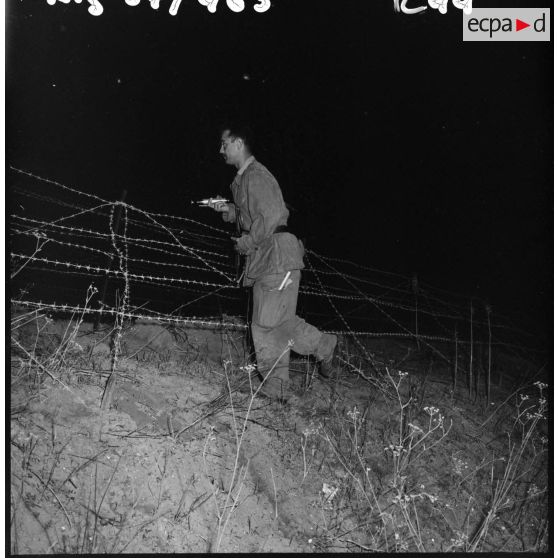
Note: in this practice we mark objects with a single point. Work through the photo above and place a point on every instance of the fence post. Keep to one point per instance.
(121, 314)
(471, 356)
(488, 312)
(414, 284)
(111, 259)
(455, 364)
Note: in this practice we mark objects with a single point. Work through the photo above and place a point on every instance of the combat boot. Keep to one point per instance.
(326, 366)
(276, 390)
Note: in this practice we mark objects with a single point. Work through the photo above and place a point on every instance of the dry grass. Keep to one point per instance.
(409, 489)
(413, 466)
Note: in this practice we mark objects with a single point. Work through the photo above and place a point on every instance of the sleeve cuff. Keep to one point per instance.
(246, 244)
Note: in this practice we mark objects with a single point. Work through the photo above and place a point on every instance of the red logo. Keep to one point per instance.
(519, 25)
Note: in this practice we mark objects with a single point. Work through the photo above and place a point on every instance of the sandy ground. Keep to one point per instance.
(153, 472)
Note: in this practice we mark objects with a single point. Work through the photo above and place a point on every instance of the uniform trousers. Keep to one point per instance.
(275, 323)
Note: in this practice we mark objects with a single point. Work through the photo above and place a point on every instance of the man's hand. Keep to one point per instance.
(219, 204)
(235, 240)
(241, 244)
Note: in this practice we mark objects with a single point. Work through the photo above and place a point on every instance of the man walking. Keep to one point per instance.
(274, 258)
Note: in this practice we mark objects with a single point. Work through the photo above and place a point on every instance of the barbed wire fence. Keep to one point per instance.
(179, 270)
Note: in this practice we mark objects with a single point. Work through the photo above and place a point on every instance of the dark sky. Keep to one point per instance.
(396, 144)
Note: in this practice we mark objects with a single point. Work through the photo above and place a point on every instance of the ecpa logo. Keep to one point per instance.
(502, 24)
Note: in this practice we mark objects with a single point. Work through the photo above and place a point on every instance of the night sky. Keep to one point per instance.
(396, 144)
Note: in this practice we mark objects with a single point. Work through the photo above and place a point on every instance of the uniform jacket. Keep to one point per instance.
(260, 209)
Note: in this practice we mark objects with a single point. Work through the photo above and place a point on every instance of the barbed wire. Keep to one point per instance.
(107, 202)
(176, 244)
(143, 242)
(396, 288)
(167, 318)
(305, 289)
(58, 184)
(204, 322)
(109, 254)
(164, 279)
(192, 320)
(120, 273)
(401, 326)
(363, 267)
(191, 235)
(226, 233)
(158, 285)
(344, 321)
(186, 248)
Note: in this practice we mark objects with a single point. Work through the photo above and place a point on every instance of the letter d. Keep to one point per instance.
(540, 20)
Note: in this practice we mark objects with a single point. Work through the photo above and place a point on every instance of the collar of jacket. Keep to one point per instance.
(248, 162)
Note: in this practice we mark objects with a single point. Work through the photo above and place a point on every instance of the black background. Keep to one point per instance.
(396, 144)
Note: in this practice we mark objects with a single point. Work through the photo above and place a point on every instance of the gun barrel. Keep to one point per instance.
(208, 201)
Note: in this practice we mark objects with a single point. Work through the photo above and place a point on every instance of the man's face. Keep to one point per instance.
(230, 148)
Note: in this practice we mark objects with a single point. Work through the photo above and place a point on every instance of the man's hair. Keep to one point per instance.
(240, 130)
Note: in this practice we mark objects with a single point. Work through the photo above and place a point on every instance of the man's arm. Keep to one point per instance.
(266, 210)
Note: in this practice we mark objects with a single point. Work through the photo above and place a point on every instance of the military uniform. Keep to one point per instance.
(271, 252)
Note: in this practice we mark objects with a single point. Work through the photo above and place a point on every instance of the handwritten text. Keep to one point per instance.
(96, 8)
(440, 5)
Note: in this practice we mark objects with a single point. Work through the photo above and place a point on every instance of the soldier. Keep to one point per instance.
(274, 258)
